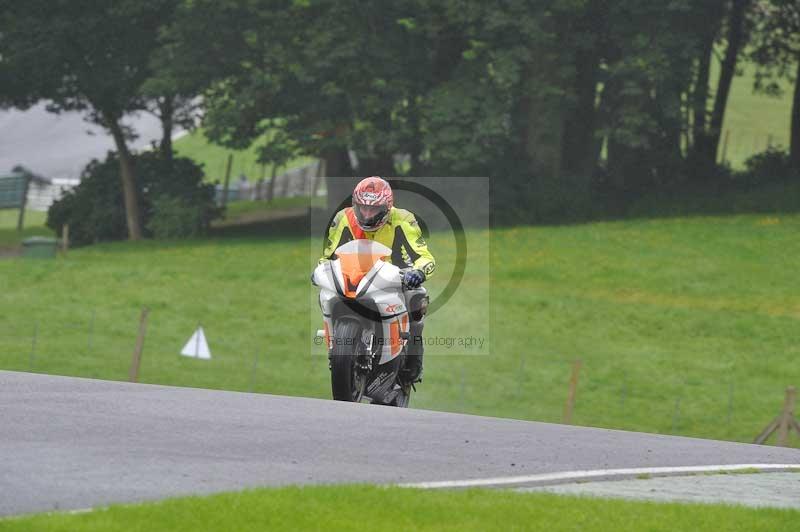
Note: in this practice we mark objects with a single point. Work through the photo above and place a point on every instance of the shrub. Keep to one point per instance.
(95, 209)
(770, 166)
(175, 217)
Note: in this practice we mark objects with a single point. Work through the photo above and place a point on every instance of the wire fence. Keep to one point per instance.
(304, 181)
(301, 181)
(42, 194)
(724, 403)
(94, 345)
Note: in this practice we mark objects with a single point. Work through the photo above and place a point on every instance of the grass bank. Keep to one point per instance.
(354, 507)
(684, 325)
(214, 158)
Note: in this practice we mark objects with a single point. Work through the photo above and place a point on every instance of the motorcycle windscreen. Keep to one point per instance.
(356, 259)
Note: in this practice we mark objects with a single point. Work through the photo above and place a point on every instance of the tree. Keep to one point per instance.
(352, 86)
(87, 56)
(736, 39)
(278, 150)
(776, 51)
(709, 25)
(177, 80)
(529, 94)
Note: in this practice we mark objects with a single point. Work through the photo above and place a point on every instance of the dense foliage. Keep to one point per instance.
(175, 202)
(565, 103)
(771, 166)
(569, 105)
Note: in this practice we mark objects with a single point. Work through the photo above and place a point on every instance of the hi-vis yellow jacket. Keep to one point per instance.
(400, 233)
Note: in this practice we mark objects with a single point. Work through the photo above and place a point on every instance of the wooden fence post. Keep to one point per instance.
(227, 180)
(64, 238)
(271, 187)
(133, 375)
(573, 392)
(727, 137)
(784, 423)
(26, 181)
(787, 416)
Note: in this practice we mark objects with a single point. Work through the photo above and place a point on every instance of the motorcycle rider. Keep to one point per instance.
(373, 216)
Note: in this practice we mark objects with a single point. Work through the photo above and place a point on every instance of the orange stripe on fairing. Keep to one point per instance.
(354, 267)
(327, 334)
(394, 332)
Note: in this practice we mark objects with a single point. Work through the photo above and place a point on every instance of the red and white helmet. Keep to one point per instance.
(372, 201)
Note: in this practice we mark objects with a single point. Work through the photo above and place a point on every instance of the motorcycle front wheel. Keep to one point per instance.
(403, 397)
(347, 383)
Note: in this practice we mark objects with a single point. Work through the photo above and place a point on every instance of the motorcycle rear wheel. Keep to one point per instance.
(347, 383)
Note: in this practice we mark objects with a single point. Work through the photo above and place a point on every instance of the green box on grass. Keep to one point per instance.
(40, 247)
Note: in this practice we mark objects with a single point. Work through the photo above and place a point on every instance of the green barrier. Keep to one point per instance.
(40, 247)
(13, 194)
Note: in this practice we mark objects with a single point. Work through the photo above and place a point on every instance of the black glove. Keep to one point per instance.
(414, 278)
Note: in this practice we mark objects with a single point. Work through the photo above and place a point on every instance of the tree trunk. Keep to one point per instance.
(579, 156)
(129, 191)
(338, 173)
(699, 142)
(271, 187)
(699, 147)
(166, 109)
(542, 112)
(794, 151)
(735, 43)
(381, 165)
(580, 153)
(416, 145)
(626, 166)
(543, 134)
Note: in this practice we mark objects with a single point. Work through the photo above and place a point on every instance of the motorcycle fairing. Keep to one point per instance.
(381, 285)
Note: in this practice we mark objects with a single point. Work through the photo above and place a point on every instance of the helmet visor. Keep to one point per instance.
(370, 216)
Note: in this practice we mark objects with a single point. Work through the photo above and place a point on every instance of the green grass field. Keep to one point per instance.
(215, 158)
(357, 507)
(684, 325)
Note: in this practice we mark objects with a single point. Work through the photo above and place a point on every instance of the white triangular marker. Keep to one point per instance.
(197, 347)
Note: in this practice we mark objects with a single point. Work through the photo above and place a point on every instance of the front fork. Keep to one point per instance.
(365, 358)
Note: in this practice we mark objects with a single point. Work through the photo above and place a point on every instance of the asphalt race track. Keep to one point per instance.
(69, 443)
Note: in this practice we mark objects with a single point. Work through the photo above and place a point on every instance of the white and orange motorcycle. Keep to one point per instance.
(365, 310)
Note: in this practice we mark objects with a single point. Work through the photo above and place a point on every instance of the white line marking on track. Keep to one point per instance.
(81, 511)
(606, 474)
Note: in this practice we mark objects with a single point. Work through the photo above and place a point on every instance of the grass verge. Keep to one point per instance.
(357, 507)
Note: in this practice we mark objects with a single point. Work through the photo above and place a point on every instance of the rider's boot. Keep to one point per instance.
(412, 372)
